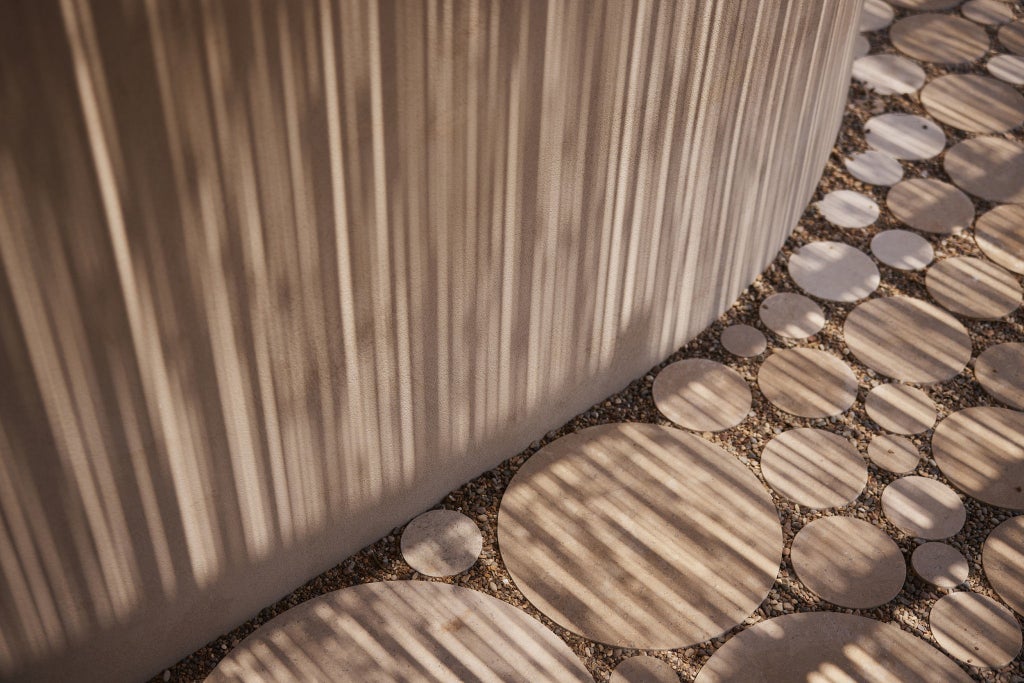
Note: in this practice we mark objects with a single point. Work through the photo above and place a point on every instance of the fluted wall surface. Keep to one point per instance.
(274, 276)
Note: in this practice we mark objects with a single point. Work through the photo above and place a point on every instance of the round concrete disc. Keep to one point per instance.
(987, 12)
(1011, 36)
(923, 508)
(1000, 234)
(896, 454)
(975, 629)
(744, 341)
(902, 249)
(940, 564)
(792, 315)
(900, 409)
(988, 167)
(441, 543)
(814, 468)
(702, 395)
(875, 168)
(905, 136)
(973, 287)
(981, 450)
(834, 271)
(807, 382)
(930, 205)
(401, 631)
(861, 46)
(644, 669)
(640, 536)
(848, 209)
(876, 15)
(1002, 556)
(1009, 68)
(977, 104)
(939, 38)
(1000, 371)
(889, 74)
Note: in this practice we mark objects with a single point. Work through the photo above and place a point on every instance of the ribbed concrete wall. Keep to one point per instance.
(277, 275)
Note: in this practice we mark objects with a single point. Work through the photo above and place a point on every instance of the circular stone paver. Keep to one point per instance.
(977, 104)
(1000, 234)
(827, 646)
(900, 409)
(702, 395)
(1009, 68)
(896, 454)
(1002, 556)
(1011, 36)
(981, 450)
(401, 630)
(848, 562)
(930, 205)
(902, 249)
(640, 536)
(807, 382)
(988, 167)
(876, 15)
(848, 209)
(792, 315)
(939, 38)
(861, 46)
(441, 543)
(973, 287)
(987, 12)
(905, 136)
(889, 74)
(814, 468)
(834, 271)
(940, 564)
(875, 168)
(923, 508)
(975, 629)
(1000, 371)
(644, 669)
(744, 341)
(907, 339)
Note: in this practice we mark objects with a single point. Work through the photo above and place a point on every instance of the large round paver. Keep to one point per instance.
(401, 631)
(791, 315)
(896, 454)
(902, 249)
(987, 12)
(814, 468)
(973, 287)
(975, 629)
(848, 209)
(1000, 234)
(848, 562)
(640, 536)
(1009, 68)
(702, 395)
(905, 136)
(930, 205)
(1002, 556)
(907, 339)
(644, 669)
(981, 450)
(1000, 371)
(876, 15)
(1011, 36)
(900, 409)
(441, 543)
(807, 382)
(889, 74)
(977, 104)
(940, 564)
(744, 341)
(939, 38)
(988, 167)
(834, 271)
(923, 508)
(875, 168)
(828, 646)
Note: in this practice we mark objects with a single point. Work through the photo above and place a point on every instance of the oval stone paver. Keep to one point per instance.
(702, 395)
(848, 209)
(1000, 371)
(896, 454)
(834, 271)
(975, 629)
(905, 136)
(889, 74)
(813, 467)
(441, 543)
(644, 669)
(981, 450)
(977, 104)
(1003, 559)
(900, 409)
(807, 382)
(744, 341)
(791, 315)
(988, 167)
(902, 249)
(940, 564)
(1000, 234)
(939, 38)
(973, 288)
(923, 508)
(876, 15)
(875, 168)
(1011, 36)
(987, 12)
(1009, 68)
(930, 205)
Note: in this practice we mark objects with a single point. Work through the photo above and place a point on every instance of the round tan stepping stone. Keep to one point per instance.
(848, 209)
(875, 168)
(401, 631)
(900, 409)
(896, 454)
(1011, 36)
(939, 38)
(902, 249)
(848, 562)
(975, 629)
(923, 508)
(1000, 371)
(702, 395)
(834, 271)
(889, 74)
(744, 341)
(981, 450)
(828, 646)
(644, 669)
(814, 468)
(905, 136)
(978, 104)
(930, 205)
(441, 543)
(940, 564)
(876, 15)
(973, 287)
(1002, 556)
(1000, 234)
(861, 46)
(1009, 68)
(792, 315)
(987, 12)
(988, 167)
(640, 536)
(807, 382)
(907, 339)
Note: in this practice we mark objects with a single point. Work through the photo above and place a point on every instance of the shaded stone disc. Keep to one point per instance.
(902, 249)
(1009, 68)
(973, 287)
(930, 205)
(923, 508)
(1011, 36)
(900, 409)
(791, 315)
(987, 12)
(875, 168)
(940, 564)
(1000, 371)
(896, 454)
(834, 271)
(743, 341)
(889, 74)
(905, 136)
(1002, 556)
(848, 209)
(981, 450)
(988, 167)
(977, 104)
(441, 543)
(975, 629)
(644, 669)
(807, 382)
(1000, 234)
(814, 468)
(876, 15)
(702, 395)
(939, 38)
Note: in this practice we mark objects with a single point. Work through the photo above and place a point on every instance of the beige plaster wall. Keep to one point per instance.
(275, 276)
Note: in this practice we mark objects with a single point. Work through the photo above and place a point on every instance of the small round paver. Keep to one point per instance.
(1002, 556)
(923, 507)
(900, 409)
(807, 382)
(988, 167)
(940, 564)
(875, 168)
(861, 46)
(828, 646)
(1009, 68)
(744, 341)
(848, 209)
(975, 629)
(977, 104)
(905, 136)
(889, 74)
(973, 287)
(701, 394)
(792, 315)
(1000, 371)
(907, 339)
(644, 669)
(981, 450)
(1011, 36)
(1000, 234)
(848, 562)
(902, 249)
(876, 15)
(896, 454)
(834, 271)
(930, 205)
(939, 38)
(987, 12)
(441, 543)
(814, 468)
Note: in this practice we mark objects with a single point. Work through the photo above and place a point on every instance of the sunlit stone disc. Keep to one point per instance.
(939, 38)
(923, 507)
(973, 287)
(441, 543)
(987, 12)
(889, 74)
(1003, 559)
(848, 209)
(834, 271)
(1011, 36)
(896, 454)
(702, 395)
(981, 450)
(814, 468)
(875, 168)
(807, 382)
(876, 15)
(940, 564)
(975, 629)
(1000, 234)
(988, 167)
(930, 205)
(1009, 68)
(744, 341)
(791, 315)
(977, 104)
(644, 669)
(902, 249)
(861, 46)
(900, 409)
(1000, 371)
(905, 136)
